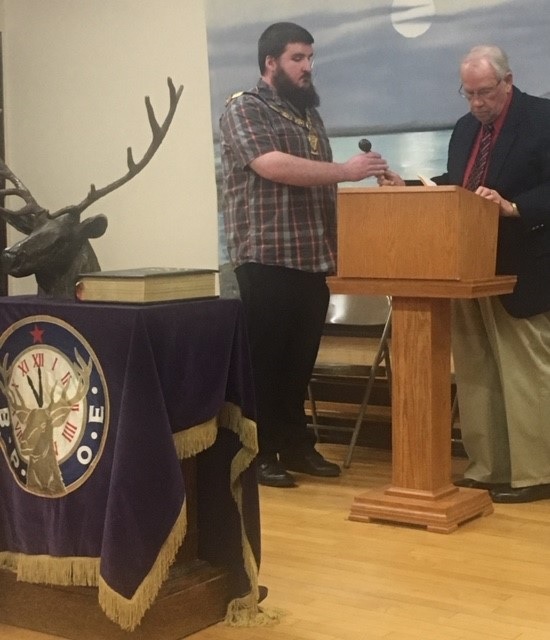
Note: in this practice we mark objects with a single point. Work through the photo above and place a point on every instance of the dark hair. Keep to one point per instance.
(274, 39)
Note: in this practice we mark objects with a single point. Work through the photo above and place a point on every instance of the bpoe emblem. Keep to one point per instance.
(54, 405)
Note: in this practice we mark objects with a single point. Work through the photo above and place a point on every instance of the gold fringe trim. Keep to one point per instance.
(127, 613)
(43, 569)
(84, 572)
(231, 417)
(191, 442)
(241, 611)
(244, 611)
(8, 560)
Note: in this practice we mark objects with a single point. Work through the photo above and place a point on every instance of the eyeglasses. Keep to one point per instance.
(482, 94)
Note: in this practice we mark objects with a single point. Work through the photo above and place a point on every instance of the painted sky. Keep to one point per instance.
(382, 65)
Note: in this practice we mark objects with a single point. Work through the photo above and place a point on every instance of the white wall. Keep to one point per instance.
(75, 76)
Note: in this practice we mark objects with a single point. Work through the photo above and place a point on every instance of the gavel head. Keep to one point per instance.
(365, 145)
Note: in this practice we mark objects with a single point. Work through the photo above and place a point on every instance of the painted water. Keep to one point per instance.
(408, 153)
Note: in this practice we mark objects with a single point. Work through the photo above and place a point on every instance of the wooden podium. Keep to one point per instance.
(423, 246)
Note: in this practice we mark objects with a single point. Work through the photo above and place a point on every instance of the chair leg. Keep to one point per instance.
(454, 418)
(387, 365)
(359, 420)
(383, 353)
(454, 410)
(313, 406)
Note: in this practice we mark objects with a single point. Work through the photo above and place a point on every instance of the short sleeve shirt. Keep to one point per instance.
(269, 222)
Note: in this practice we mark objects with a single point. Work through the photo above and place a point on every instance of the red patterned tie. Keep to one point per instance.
(478, 170)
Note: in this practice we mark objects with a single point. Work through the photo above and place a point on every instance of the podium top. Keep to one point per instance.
(418, 233)
(407, 189)
(409, 288)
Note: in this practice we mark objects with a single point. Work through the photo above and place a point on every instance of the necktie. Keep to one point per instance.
(478, 170)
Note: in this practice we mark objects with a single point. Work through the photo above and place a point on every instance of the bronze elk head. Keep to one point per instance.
(57, 246)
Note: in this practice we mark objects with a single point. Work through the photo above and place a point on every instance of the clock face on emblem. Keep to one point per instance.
(54, 407)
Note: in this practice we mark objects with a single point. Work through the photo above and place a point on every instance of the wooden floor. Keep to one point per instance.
(343, 580)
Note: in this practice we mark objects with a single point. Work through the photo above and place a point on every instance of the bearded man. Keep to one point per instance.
(279, 203)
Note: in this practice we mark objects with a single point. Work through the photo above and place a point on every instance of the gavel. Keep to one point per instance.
(365, 145)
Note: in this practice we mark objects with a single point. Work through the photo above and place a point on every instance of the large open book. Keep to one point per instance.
(148, 284)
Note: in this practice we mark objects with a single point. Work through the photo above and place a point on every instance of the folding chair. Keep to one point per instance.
(457, 446)
(359, 315)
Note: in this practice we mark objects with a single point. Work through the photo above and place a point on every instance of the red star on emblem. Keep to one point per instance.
(37, 334)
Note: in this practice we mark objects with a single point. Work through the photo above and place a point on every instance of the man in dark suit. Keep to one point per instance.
(501, 345)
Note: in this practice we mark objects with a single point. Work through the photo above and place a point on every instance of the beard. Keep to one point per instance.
(300, 97)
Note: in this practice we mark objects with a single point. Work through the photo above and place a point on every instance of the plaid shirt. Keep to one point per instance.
(269, 222)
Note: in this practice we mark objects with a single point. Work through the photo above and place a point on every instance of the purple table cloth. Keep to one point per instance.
(98, 404)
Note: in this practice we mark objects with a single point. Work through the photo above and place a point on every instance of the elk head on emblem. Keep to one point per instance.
(57, 248)
(48, 410)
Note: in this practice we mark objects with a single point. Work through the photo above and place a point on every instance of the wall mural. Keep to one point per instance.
(383, 69)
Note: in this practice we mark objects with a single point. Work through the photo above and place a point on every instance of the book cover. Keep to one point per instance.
(146, 284)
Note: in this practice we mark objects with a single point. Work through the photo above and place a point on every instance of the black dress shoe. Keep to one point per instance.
(521, 494)
(310, 462)
(271, 473)
(470, 483)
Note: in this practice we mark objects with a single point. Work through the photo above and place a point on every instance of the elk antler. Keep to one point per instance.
(61, 404)
(57, 247)
(159, 131)
(23, 219)
(5, 372)
(12, 394)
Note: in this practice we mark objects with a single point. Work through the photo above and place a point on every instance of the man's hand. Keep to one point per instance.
(364, 165)
(390, 179)
(507, 208)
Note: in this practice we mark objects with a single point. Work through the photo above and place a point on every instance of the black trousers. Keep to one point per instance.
(285, 312)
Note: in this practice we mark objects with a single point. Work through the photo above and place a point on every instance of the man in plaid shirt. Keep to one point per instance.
(279, 193)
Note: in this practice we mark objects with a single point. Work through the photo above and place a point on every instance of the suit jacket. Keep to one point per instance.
(519, 169)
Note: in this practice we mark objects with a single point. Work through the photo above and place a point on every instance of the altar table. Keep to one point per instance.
(99, 403)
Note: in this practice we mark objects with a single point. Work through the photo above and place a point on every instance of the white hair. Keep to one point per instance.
(492, 54)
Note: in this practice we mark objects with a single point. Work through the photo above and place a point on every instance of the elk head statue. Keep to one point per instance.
(57, 247)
